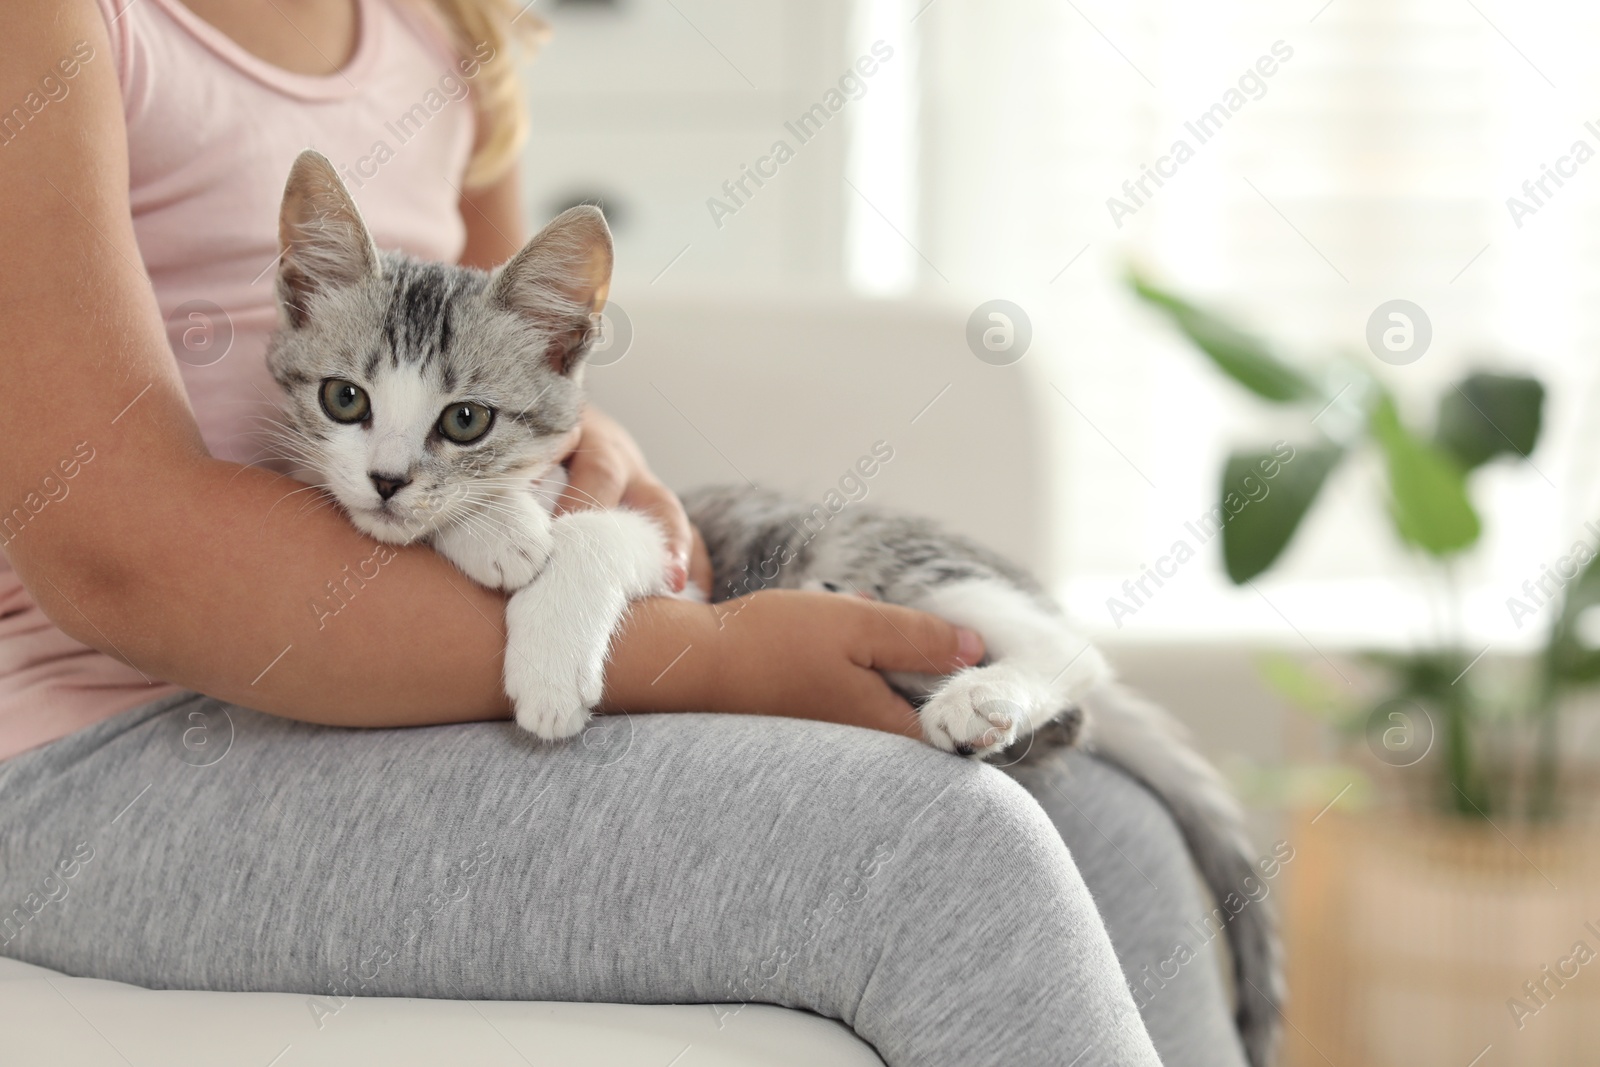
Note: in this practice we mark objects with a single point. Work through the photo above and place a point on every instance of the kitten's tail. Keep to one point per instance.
(1149, 744)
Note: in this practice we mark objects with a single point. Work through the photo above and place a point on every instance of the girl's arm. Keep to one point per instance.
(209, 574)
(495, 226)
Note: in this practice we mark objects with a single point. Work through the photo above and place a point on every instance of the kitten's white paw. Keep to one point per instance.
(555, 677)
(504, 563)
(980, 711)
(550, 712)
(518, 565)
(505, 548)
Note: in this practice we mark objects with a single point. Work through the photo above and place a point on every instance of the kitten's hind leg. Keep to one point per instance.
(1037, 669)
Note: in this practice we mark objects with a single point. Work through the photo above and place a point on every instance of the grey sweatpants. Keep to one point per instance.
(926, 901)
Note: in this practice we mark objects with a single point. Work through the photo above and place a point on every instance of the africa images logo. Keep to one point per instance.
(852, 85)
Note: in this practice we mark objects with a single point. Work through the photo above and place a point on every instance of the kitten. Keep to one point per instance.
(428, 400)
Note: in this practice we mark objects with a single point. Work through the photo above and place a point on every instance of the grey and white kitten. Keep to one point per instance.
(429, 399)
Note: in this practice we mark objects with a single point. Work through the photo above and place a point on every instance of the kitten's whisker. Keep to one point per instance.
(313, 505)
(556, 497)
(496, 507)
(474, 528)
(276, 474)
(286, 496)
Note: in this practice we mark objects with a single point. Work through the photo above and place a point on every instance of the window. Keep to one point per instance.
(1374, 162)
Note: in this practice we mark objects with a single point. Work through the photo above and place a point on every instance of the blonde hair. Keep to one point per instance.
(513, 33)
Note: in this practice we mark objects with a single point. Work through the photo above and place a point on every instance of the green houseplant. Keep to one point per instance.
(1413, 928)
(1427, 489)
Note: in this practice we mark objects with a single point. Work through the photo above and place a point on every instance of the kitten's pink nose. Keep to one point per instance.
(388, 484)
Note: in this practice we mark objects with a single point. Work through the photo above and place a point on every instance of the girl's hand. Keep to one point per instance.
(818, 656)
(605, 468)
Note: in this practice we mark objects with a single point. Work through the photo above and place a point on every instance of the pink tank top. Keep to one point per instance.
(212, 131)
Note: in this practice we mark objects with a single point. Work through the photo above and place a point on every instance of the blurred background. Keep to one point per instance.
(1399, 686)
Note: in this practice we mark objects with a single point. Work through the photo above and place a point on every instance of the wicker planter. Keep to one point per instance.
(1412, 943)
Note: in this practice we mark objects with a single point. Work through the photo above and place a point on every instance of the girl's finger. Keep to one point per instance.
(881, 708)
(662, 504)
(900, 639)
(594, 480)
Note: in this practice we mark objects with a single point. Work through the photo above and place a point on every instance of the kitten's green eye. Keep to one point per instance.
(345, 401)
(465, 422)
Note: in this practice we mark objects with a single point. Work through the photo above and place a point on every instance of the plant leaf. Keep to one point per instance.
(1487, 415)
(1244, 358)
(1428, 488)
(1261, 512)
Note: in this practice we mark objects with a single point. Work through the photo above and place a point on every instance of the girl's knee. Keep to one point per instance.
(974, 826)
(943, 796)
(1121, 837)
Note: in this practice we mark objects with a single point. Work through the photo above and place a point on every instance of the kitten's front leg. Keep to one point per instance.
(503, 545)
(559, 628)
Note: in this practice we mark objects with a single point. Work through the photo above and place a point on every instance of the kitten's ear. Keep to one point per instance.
(559, 282)
(325, 243)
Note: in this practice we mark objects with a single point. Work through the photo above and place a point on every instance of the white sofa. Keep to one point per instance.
(790, 390)
(786, 391)
(50, 1020)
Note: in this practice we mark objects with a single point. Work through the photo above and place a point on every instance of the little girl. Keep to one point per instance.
(759, 844)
